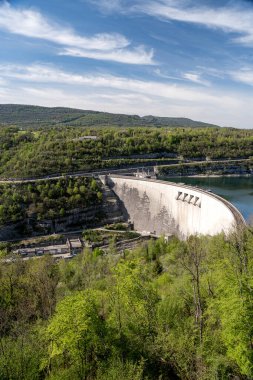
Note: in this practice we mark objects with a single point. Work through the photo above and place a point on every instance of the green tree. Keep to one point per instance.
(133, 307)
(78, 336)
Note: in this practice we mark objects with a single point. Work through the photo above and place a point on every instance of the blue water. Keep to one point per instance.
(237, 190)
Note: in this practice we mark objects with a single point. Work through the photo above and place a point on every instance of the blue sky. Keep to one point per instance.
(163, 57)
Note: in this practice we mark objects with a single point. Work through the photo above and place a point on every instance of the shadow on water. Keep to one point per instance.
(237, 190)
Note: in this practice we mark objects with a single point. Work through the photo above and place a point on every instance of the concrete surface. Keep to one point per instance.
(169, 208)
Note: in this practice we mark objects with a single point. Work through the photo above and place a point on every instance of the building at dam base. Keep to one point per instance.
(168, 208)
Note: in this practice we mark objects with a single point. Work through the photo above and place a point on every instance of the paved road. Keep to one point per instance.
(106, 171)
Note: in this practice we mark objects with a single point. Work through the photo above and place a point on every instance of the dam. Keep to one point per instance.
(160, 207)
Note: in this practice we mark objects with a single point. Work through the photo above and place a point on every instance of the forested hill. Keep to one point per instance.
(35, 116)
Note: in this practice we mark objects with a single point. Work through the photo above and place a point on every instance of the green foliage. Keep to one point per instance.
(234, 300)
(103, 237)
(20, 357)
(4, 249)
(35, 116)
(77, 334)
(97, 252)
(166, 309)
(132, 294)
(117, 227)
(46, 199)
(117, 369)
(63, 149)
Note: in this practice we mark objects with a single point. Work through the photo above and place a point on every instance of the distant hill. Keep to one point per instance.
(35, 116)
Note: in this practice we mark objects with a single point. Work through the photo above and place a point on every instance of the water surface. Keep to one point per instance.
(237, 190)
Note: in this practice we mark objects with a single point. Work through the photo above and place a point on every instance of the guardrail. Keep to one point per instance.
(92, 172)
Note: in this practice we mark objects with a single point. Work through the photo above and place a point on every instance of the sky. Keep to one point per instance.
(176, 58)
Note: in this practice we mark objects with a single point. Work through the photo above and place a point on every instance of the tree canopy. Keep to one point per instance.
(177, 310)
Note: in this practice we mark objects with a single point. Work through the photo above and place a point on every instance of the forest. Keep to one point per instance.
(44, 151)
(47, 199)
(26, 116)
(176, 310)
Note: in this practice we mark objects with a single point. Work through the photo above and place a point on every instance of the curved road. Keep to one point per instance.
(107, 171)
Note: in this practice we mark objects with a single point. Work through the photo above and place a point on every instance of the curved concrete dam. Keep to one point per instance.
(168, 208)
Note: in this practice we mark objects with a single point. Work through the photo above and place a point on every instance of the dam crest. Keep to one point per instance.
(165, 208)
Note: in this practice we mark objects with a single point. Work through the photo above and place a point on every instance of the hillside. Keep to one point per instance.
(34, 116)
(45, 150)
(176, 310)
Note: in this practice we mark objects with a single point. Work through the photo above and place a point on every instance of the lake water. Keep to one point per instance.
(237, 190)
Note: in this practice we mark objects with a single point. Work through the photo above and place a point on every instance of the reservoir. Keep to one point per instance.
(237, 190)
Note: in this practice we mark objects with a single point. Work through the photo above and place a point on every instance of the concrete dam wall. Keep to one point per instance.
(168, 208)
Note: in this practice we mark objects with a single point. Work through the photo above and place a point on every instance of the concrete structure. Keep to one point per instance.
(169, 208)
(72, 247)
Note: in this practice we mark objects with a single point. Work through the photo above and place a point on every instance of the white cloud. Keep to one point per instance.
(3, 95)
(137, 56)
(243, 76)
(2, 82)
(210, 71)
(96, 100)
(31, 23)
(50, 86)
(230, 18)
(235, 114)
(108, 5)
(164, 75)
(196, 78)
(50, 74)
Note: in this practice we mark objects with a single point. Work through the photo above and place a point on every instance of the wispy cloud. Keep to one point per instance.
(244, 75)
(235, 18)
(51, 74)
(165, 75)
(138, 56)
(195, 78)
(31, 23)
(212, 72)
(189, 76)
(51, 86)
(2, 82)
(108, 5)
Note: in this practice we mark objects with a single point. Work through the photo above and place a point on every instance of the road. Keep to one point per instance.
(108, 171)
(66, 233)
